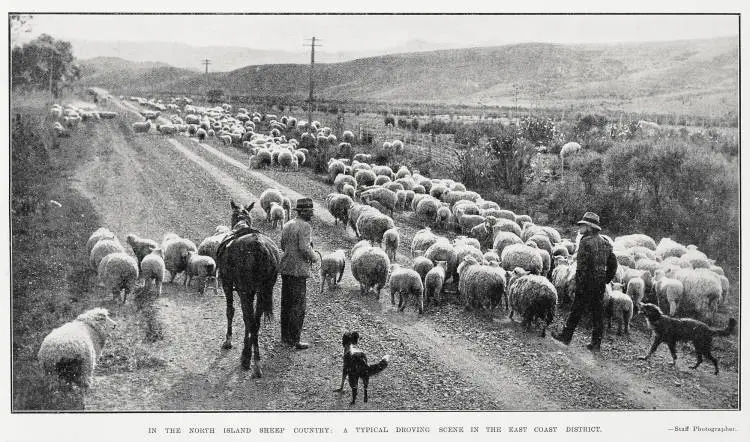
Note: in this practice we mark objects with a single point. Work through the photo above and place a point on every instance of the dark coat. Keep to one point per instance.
(596, 264)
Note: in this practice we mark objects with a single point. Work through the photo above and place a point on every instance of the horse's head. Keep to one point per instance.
(241, 214)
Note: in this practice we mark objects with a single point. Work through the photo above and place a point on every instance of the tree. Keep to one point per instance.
(513, 155)
(43, 63)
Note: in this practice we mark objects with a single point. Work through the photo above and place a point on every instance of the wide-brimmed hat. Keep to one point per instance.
(591, 219)
(304, 203)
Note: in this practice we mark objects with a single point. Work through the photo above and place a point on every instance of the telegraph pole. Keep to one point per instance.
(312, 65)
(206, 62)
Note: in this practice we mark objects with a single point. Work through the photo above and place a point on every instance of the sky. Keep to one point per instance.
(341, 33)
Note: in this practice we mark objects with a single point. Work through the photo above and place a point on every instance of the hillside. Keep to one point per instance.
(696, 77)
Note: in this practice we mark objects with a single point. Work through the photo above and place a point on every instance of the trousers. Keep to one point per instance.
(293, 306)
(589, 300)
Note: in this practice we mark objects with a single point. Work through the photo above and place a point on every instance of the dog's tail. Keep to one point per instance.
(726, 331)
(377, 368)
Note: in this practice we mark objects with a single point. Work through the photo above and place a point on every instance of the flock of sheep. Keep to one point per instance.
(67, 118)
(500, 256)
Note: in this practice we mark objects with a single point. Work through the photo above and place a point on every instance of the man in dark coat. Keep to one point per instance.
(296, 244)
(596, 265)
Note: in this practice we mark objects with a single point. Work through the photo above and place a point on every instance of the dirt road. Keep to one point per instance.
(167, 356)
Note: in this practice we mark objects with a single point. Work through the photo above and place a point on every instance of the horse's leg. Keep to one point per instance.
(229, 295)
(256, 315)
(246, 300)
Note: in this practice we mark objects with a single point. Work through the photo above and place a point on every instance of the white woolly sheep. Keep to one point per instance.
(355, 211)
(277, 215)
(442, 215)
(696, 259)
(152, 269)
(407, 283)
(620, 305)
(422, 240)
(506, 225)
(636, 239)
(668, 247)
(406, 182)
(481, 286)
(270, 196)
(468, 222)
(286, 158)
(563, 279)
(210, 245)
(442, 250)
(364, 177)
(71, 351)
(348, 190)
(503, 240)
(702, 292)
(465, 240)
(370, 266)
(176, 251)
(391, 240)
(421, 265)
(381, 180)
(546, 258)
(141, 246)
(427, 209)
(533, 297)
(640, 252)
(434, 280)
(668, 291)
(382, 195)
(636, 290)
(203, 267)
(331, 265)
(103, 248)
(372, 224)
(523, 256)
(491, 256)
(100, 233)
(338, 205)
(118, 272)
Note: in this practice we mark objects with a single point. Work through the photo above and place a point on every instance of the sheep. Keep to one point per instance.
(210, 245)
(176, 251)
(355, 211)
(702, 292)
(636, 290)
(332, 264)
(286, 159)
(437, 190)
(442, 250)
(391, 240)
(505, 225)
(382, 179)
(364, 177)
(422, 240)
(100, 233)
(402, 172)
(640, 252)
(203, 267)
(417, 198)
(442, 216)
(636, 239)
(382, 195)
(277, 215)
(370, 267)
(406, 282)
(141, 126)
(433, 280)
(401, 197)
(422, 265)
(406, 182)
(348, 190)
(568, 149)
(463, 250)
(466, 206)
(481, 286)
(118, 272)
(624, 258)
(563, 279)
(141, 246)
(668, 247)
(532, 297)
(338, 205)
(546, 259)
(619, 305)
(372, 225)
(468, 222)
(503, 240)
(523, 256)
(152, 268)
(560, 250)
(267, 197)
(427, 209)
(491, 256)
(103, 248)
(696, 259)
(521, 219)
(71, 351)
(385, 171)
(394, 187)
(465, 240)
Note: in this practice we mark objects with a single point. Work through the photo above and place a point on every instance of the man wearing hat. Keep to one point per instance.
(296, 244)
(596, 265)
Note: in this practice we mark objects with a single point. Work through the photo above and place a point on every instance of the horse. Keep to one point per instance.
(248, 262)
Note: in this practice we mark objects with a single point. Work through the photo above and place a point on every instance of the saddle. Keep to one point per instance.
(234, 235)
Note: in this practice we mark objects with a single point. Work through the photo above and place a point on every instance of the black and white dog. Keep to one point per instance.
(356, 367)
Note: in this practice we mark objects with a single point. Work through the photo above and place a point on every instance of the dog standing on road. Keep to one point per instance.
(673, 330)
(356, 367)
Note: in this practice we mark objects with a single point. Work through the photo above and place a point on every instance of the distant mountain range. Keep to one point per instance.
(681, 77)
